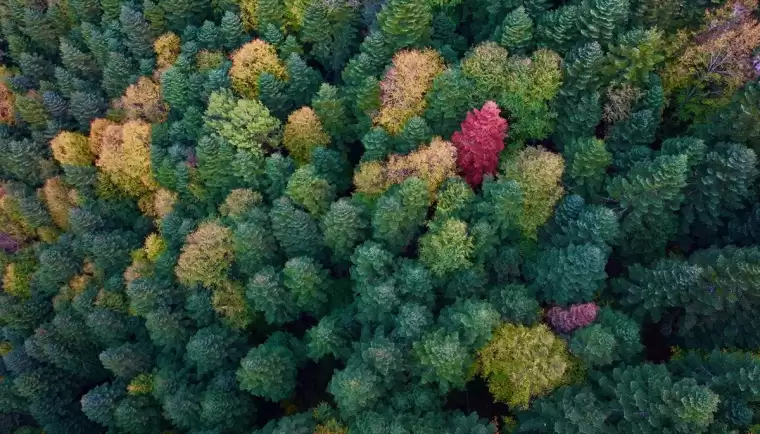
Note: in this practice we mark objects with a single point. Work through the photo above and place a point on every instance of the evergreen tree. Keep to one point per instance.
(269, 370)
(517, 31)
(405, 23)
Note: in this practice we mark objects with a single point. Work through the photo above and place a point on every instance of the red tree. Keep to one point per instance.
(479, 142)
(576, 316)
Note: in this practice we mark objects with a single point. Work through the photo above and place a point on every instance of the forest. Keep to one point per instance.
(379, 217)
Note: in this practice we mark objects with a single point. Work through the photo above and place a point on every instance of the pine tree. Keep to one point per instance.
(331, 107)
(75, 60)
(721, 184)
(587, 163)
(572, 274)
(443, 359)
(405, 23)
(307, 189)
(598, 20)
(231, 29)
(85, 106)
(118, 74)
(295, 230)
(137, 33)
(344, 227)
(448, 99)
(556, 29)
(303, 80)
(272, 94)
(517, 31)
(269, 370)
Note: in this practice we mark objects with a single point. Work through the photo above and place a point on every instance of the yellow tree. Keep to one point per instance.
(249, 62)
(403, 90)
(717, 62)
(71, 149)
(303, 133)
(142, 100)
(432, 163)
(167, 48)
(58, 199)
(520, 363)
(539, 173)
(125, 158)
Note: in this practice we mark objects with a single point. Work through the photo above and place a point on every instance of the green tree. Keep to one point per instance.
(269, 370)
(405, 23)
(517, 31)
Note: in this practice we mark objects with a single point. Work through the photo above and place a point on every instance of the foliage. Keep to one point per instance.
(351, 216)
(403, 89)
(249, 62)
(479, 142)
(520, 363)
(302, 134)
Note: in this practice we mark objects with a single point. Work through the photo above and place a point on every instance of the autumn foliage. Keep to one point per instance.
(479, 142)
(433, 163)
(249, 62)
(403, 90)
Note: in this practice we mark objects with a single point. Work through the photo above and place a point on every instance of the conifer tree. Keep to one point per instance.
(137, 33)
(598, 20)
(517, 31)
(295, 230)
(405, 23)
(269, 370)
(556, 29)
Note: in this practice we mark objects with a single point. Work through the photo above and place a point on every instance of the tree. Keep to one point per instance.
(206, 256)
(137, 33)
(649, 221)
(395, 18)
(679, 405)
(704, 281)
(404, 87)
(213, 348)
(537, 172)
(249, 62)
(598, 20)
(295, 230)
(433, 163)
(400, 213)
(571, 274)
(573, 317)
(308, 282)
(354, 389)
(567, 410)
(303, 133)
(556, 29)
(303, 80)
(344, 226)
(269, 370)
(517, 30)
(447, 248)
(166, 48)
(245, 123)
(587, 162)
(513, 367)
(479, 142)
(442, 358)
(449, 98)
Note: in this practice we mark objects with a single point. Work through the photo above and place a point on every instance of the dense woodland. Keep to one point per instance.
(379, 217)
